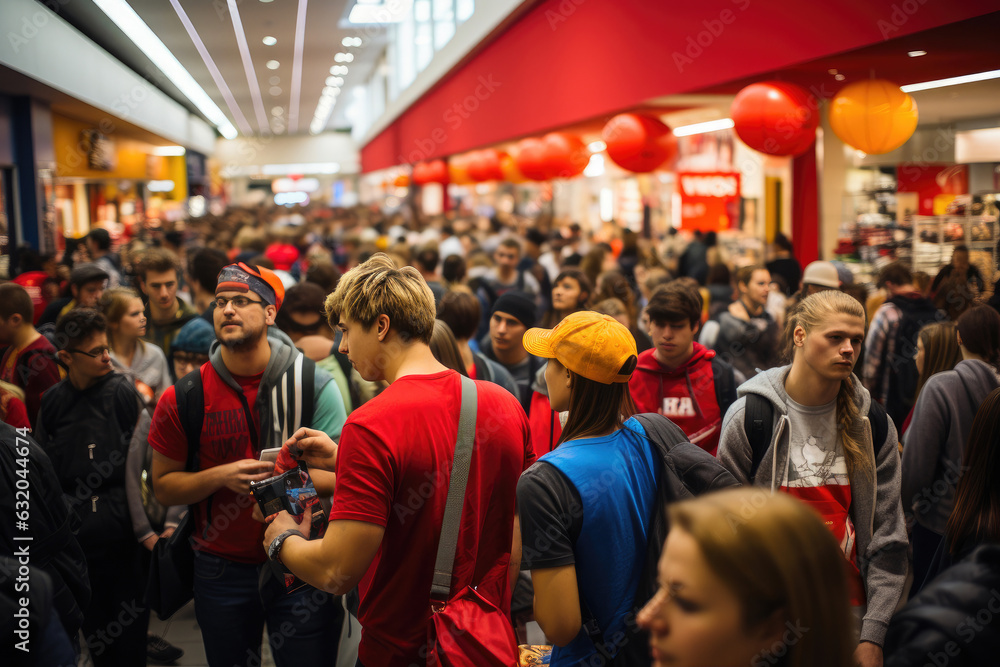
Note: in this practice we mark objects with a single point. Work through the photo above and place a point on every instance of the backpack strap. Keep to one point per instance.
(758, 423)
(725, 384)
(308, 391)
(879, 420)
(190, 396)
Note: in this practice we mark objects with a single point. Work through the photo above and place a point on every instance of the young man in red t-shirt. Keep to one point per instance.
(679, 378)
(30, 360)
(252, 399)
(393, 466)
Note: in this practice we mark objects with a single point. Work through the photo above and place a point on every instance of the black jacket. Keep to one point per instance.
(954, 620)
(50, 523)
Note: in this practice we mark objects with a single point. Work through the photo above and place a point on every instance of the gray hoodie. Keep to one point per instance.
(875, 509)
(277, 404)
(934, 444)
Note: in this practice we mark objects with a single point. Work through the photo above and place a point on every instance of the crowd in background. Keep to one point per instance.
(900, 458)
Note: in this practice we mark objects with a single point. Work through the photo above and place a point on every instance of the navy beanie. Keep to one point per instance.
(518, 305)
(196, 337)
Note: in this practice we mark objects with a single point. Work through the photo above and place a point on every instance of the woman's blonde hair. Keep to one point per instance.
(776, 556)
(377, 287)
(114, 306)
(811, 312)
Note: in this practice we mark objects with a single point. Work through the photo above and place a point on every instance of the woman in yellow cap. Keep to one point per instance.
(585, 507)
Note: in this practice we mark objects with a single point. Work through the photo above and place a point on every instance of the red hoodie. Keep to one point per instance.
(685, 395)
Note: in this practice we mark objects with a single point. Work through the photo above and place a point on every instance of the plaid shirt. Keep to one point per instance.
(879, 346)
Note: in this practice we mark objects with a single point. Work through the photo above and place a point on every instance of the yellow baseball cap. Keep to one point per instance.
(595, 346)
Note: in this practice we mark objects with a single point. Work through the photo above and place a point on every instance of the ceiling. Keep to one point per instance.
(956, 49)
(261, 102)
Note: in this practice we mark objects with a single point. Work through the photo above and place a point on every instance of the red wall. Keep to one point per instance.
(567, 61)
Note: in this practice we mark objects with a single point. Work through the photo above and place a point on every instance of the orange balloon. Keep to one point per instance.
(458, 170)
(511, 173)
(402, 181)
(873, 116)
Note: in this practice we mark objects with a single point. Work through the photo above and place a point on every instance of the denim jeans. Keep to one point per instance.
(233, 600)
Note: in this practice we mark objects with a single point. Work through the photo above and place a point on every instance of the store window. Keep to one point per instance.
(444, 22)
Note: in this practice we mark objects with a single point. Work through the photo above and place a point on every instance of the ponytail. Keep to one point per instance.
(850, 426)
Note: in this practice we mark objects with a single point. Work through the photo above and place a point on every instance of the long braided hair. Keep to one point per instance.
(810, 313)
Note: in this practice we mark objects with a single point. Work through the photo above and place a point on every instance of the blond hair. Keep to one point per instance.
(378, 287)
(776, 556)
(811, 312)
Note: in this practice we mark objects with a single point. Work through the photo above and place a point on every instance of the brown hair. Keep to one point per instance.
(445, 349)
(896, 273)
(596, 408)
(776, 557)
(744, 274)
(460, 310)
(114, 306)
(15, 300)
(980, 331)
(159, 260)
(811, 312)
(614, 285)
(377, 287)
(976, 515)
(674, 302)
(941, 351)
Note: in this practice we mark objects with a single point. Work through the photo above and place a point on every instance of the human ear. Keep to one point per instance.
(383, 327)
(270, 313)
(799, 336)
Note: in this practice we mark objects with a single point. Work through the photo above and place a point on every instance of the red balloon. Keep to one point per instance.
(420, 173)
(776, 118)
(484, 165)
(638, 142)
(566, 155)
(437, 172)
(532, 159)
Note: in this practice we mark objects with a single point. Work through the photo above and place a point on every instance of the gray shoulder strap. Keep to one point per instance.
(445, 561)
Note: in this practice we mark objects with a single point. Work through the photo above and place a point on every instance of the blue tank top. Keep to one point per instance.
(616, 477)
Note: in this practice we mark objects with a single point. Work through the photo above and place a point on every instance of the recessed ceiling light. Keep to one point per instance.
(274, 80)
(916, 54)
(840, 77)
(831, 71)
(270, 41)
(343, 57)
(272, 64)
(275, 90)
(334, 81)
(267, 1)
(277, 111)
(347, 41)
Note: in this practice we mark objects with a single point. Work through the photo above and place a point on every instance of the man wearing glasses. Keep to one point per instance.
(257, 391)
(93, 426)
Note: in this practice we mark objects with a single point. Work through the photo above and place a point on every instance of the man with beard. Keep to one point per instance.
(256, 390)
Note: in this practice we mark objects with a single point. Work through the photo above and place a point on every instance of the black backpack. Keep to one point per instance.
(901, 366)
(686, 471)
(758, 423)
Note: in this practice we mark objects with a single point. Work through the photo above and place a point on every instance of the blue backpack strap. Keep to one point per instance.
(758, 422)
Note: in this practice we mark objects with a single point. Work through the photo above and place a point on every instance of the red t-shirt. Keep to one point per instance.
(393, 469)
(225, 438)
(14, 412)
(34, 375)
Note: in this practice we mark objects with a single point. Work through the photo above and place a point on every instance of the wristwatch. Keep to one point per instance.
(274, 550)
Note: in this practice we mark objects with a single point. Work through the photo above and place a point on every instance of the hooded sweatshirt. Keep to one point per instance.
(934, 445)
(686, 395)
(876, 511)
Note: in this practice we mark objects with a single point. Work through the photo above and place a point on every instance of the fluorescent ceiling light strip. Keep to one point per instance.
(953, 81)
(206, 57)
(702, 128)
(136, 29)
(300, 38)
(241, 40)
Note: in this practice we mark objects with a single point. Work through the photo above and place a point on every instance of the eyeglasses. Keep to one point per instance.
(93, 354)
(238, 302)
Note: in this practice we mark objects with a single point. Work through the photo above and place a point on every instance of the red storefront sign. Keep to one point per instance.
(710, 201)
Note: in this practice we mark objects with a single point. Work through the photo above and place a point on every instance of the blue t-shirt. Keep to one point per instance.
(589, 504)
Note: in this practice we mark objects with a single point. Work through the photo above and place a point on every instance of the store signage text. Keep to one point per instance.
(709, 201)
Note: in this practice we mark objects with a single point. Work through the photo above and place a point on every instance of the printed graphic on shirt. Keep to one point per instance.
(813, 465)
(675, 406)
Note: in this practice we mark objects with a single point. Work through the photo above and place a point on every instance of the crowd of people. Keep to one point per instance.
(675, 460)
